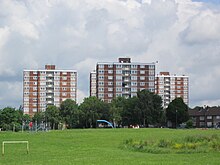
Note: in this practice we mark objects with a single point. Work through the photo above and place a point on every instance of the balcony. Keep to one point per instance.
(126, 68)
(49, 91)
(126, 80)
(50, 86)
(50, 75)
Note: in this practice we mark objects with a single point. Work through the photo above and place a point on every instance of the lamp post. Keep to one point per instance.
(205, 111)
(176, 119)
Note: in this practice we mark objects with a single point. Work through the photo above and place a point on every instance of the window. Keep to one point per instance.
(101, 66)
(118, 72)
(133, 84)
(110, 89)
(101, 71)
(151, 72)
(142, 72)
(142, 66)
(64, 83)
(151, 66)
(73, 78)
(118, 66)
(101, 95)
(201, 118)
(110, 95)
(118, 83)
(101, 77)
(101, 83)
(118, 78)
(110, 66)
(133, 72)
(118, 89)
(209, 117)
(151, 78)
(134, 89)
(110, 83)
(42, 83)
(133, 66)
(64, 78)
(142, 78)
(142, 83)
(133, 77)
(110, 77)
(101, 89)
(209, 124)
(110, 71)
(151, 84)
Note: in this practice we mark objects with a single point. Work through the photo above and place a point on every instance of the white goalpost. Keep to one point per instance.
(14, 142)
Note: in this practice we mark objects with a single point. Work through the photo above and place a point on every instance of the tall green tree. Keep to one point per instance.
(130, 113)
(150, 107)
(10, 119)
(116, 110)
(52, 115)
(177, 112)
(67, 111)
(39, 117)
(94, 109)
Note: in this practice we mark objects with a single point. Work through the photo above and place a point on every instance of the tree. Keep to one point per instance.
(116, 109)
(38, 117)
(67, 110)
(93, 109)
(52, 116)
(150, 107)
(130, 114)
(10, 119)
(177, 112)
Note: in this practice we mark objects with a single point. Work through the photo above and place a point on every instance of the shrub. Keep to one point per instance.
(178, 146)
(163, 143)
(191, 145)
(189, 124)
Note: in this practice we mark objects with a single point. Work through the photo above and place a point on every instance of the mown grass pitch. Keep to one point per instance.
(98, 146)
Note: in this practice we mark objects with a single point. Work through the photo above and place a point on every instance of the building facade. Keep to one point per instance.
(93, 83)
(170, 87)
(123, 78)
(48, 86)
(205, 117)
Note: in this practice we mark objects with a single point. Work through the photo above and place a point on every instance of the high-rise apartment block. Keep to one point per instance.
(48, 86)
(93, 83)
(122, 78)
(170, 87)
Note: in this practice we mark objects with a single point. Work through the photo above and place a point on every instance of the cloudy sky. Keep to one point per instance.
(183, 35)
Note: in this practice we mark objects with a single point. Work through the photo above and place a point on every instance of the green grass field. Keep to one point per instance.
(98, 146)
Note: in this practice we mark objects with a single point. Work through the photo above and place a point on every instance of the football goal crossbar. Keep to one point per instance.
(14, 142)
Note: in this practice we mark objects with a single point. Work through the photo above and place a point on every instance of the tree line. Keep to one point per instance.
(144, 110)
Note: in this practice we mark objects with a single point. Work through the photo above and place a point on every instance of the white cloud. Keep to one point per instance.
(203, 28)
(183, 37)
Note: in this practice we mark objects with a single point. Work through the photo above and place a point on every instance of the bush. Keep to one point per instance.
(163, 143)
(189, 124)
(189, 144)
